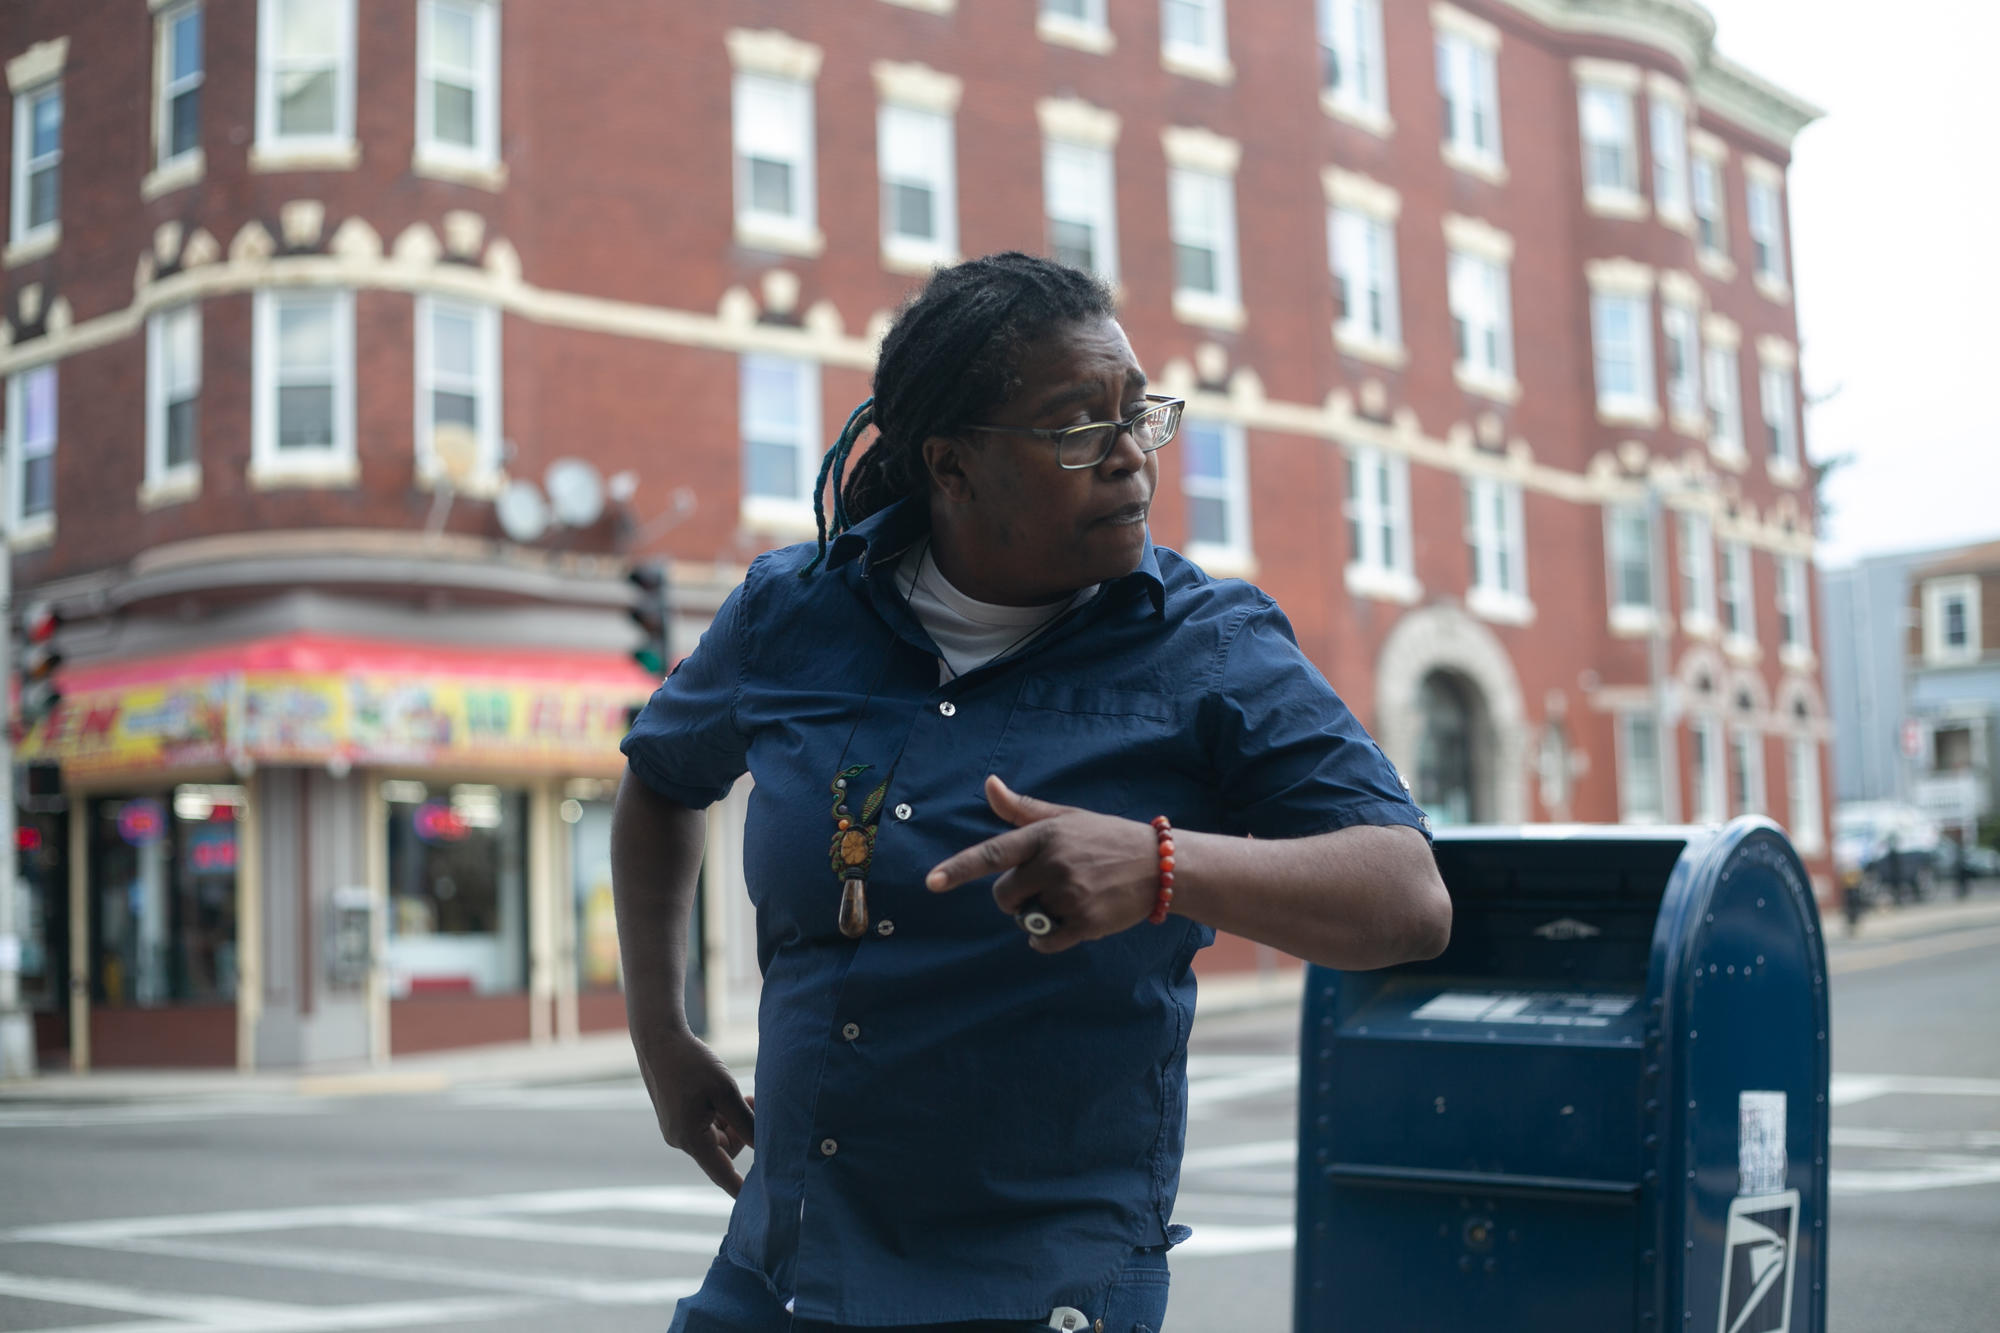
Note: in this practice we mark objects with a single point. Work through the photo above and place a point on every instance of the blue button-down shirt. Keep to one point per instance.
(951, 1126)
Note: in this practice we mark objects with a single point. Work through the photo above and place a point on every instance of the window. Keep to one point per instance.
(163, 906)
(1803, 786)
(1083, 18)
(1193, 35)
(1481, 318)
(1350, 59)
(775, 197)
(458, 389)
(1794, 624)
(1377, 508)
(1711, 796)
(457, 858)
(1363, 252)
(1725, 410)
(1746, 771)
(1630, 530)
(303, 349)
(1711, 212)
(1951, 749)
(1610, 145)
(1203, 215)
(919, 196)
(1739, 611)
(1683, 339)
(1499, 559)
(1468, 81)
(173, 393)
(1781, 428)
(177, 118)
(1081, 204)
(458, 82)
(1951, 614)
(1670, 156)
(1697, 566)
(31, 446)
(1642, 794)
(1767, 246)
(780, 424)
(1216, 484)
(1622, 346)
(38, 124)
(305, 76)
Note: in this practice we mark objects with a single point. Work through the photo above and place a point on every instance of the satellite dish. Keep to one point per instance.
(456, 450)
(523, 514)
(576, 492)
(623, 485)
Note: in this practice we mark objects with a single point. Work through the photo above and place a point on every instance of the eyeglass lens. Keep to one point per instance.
(1091, 445)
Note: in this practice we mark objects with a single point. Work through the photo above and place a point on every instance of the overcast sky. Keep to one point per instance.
(1895, 199)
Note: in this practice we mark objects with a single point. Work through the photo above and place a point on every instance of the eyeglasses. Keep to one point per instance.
(1079, 447)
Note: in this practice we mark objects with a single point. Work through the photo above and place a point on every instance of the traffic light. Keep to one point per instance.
(35, 663)
(649, 613)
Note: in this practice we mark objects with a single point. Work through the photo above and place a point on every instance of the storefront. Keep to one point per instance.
(306, 849)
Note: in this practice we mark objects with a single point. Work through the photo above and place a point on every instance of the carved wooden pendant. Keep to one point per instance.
(853, 849)
(854, 908)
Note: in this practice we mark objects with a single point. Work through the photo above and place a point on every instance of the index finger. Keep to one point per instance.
(1002, 852)
(713, 1159)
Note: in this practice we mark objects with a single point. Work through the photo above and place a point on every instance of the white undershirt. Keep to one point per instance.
(970, 633)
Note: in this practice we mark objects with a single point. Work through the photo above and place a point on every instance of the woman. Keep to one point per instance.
(989, 670)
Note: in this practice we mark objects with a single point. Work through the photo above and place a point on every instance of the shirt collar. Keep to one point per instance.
(887, 533)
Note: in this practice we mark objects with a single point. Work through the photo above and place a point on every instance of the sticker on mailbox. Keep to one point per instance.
(1758, 1249)
(1560, 1009)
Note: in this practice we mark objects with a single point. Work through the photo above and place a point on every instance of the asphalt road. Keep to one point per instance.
(557, 1207)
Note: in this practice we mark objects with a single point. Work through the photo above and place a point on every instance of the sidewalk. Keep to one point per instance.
(1942, 913)
(597, 1056)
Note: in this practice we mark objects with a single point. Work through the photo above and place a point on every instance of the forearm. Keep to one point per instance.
(656, 850)
(1359, 898)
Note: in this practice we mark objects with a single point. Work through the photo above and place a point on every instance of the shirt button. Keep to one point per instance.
(850, 1030)
(885, 927)
(827, 1147)
(903, 811)
(948, 708)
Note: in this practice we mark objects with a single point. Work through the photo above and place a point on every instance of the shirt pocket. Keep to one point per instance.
(1090, 746)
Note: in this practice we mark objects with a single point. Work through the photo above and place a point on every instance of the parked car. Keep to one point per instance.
(1885, 850)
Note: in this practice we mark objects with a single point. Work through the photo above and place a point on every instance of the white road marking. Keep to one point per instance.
(631, 1238)
(1217, 1239)
(1268, 1152)
(1929, 1140)
(227, 1312)
(27, 1116)
(1939, 1173)
(1849, 1089)
(1205, 1093)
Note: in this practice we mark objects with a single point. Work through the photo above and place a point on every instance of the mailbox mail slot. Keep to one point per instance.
(1603, 1107)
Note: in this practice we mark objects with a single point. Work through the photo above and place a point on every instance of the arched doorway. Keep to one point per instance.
(1447, 785)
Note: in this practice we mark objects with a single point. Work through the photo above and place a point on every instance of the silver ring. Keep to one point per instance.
(1034, 920)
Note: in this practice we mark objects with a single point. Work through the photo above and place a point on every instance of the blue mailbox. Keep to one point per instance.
(1603, 1107)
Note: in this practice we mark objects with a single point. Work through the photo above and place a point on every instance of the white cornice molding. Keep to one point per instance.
(1735, 94)
(1072, 120)
(1775, 351)
(1620, 74)
(1762, 169)
(38, 64)
(1704, 144)
(768, 51)
(1363, 194)
(1680, 288)
(1475, 236)
(1720, 330)
(1624, 276)
(1199, 149)
(918, 86)
(1452, 19)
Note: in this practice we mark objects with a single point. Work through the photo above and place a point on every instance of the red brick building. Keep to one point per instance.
(1481, 310)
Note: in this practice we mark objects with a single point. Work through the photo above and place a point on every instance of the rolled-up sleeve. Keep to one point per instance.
(687, 744)
(1290, 758)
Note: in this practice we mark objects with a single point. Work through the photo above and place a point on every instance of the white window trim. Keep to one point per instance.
(1630, 618)
(1628, 812)
(25, 243)
(40, 529)
(1807, 826)
(1508, 606)
(1794, 602)
(1626, 200)
(1755, 798)
(1662, 96)
(1105, 226)
(1379, 205)
(1710, 789)
(270, 466)
(773, 55)
(1482, 41)
(1726, 446)
(1774, 283)
(907, 254)
(1737, 585)
(1936, 592)
(1641, 408)
(1390, 580)
(334, 151)
(1235, 557)
(1697, 557)
(1208, 61)
(431, 156)
(1367, 112)
(774, 514)
(173, 170)
(1706, 148)
(1091, 33)
(1777, 388)
(1496, 382)
(1688, 413)
(164, 484)
(1222, 308)
(485, 476)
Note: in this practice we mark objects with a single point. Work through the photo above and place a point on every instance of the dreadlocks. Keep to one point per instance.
(952, 356)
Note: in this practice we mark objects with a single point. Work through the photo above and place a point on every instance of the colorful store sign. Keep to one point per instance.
(307, 699)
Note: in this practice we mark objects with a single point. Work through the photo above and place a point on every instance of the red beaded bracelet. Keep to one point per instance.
(1165, 900)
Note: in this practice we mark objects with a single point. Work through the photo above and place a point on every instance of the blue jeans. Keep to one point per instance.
(735, 1300)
